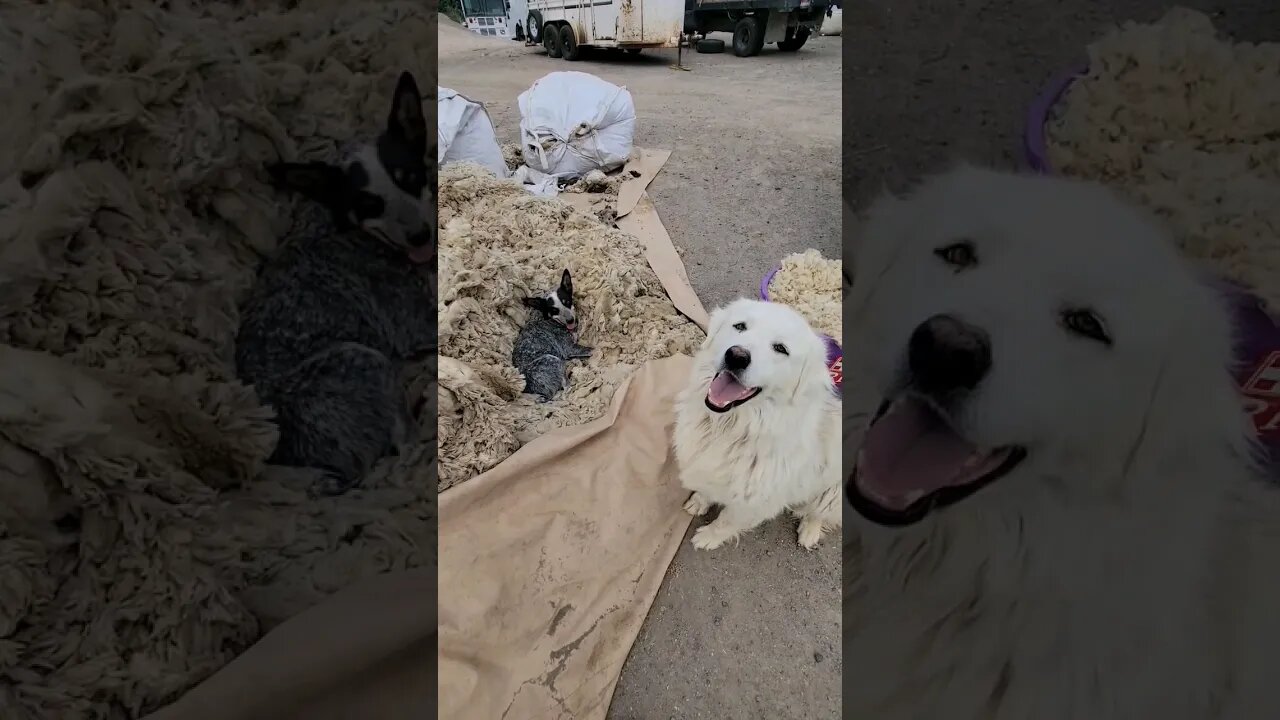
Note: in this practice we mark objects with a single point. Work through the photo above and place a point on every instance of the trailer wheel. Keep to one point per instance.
(795, 39)
(533, 26)
(569, 49)
(709, 45)
(748, 36)
(551, 40)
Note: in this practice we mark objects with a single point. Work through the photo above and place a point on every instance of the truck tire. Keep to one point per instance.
(569, 49)
(748, 36)
(634, 51)
(533, 26)
(551, 40)
(709, 45)
(795, 39)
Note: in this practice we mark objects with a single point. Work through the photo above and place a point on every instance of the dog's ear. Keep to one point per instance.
(406, 120)
(813, 367)
(714, 325)
(566, 283)
(873, 249)
(317, 180)
(1216, 438)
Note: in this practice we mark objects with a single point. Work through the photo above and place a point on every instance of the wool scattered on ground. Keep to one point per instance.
(498, 245)
(1188, 124)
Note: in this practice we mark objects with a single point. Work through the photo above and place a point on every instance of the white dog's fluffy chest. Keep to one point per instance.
(770, 457)
(946, 625)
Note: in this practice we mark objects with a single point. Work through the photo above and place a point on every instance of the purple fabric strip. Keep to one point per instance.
(764, 284)
(1038, 115)
(835, 363)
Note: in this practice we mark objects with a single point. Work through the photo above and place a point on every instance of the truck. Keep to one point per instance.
(756, 23)
(566, 27)
(485, 17)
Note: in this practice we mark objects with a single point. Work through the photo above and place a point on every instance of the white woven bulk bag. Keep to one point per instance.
(465, 133)
(572, 123)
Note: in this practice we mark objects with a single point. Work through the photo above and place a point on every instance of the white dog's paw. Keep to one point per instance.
(710, 537)
(696, 505)
(810, 532)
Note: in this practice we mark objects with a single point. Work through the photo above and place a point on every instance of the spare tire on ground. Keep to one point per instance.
(709, 45)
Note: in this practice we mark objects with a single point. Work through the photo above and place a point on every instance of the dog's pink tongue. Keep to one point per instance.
(910, 452)
(725, 389)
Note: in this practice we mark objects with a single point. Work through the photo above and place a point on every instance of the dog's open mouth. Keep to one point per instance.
(726, 392)
(913, 462)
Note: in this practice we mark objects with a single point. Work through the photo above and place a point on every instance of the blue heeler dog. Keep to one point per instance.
(546, 342)
(346, 302)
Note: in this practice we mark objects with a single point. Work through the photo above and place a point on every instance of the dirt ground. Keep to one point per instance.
(750, 631)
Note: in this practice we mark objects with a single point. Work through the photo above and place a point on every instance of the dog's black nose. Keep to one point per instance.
(736, 358)
(946, 354)
(419, 239)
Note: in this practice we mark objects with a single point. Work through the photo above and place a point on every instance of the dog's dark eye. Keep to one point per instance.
(780, 348)
(1085, 324)
(959, 255)
(740, 327)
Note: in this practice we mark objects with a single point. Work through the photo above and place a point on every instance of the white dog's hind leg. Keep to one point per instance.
(818, 515)
(732, 522)
(697, 504)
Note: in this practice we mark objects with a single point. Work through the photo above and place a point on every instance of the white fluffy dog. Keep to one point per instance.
(1054, 511)
(758, 425)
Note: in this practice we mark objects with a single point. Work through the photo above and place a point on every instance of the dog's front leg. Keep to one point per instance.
(697, 505)
(818, 515)
(732, 522)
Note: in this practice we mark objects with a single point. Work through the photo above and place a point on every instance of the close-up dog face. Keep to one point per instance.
(1028, 334)
(381, 188)
(557, 305)
(758, 352)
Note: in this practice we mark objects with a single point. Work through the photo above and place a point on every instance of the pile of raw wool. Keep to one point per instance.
(498, 245)
(1188, 124)
(810, 283)
(144, 542)
(513, 155)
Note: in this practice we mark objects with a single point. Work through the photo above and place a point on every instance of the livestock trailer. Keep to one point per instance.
(565, 27)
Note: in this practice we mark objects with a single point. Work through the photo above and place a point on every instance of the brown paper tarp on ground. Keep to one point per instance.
(548, 565)
(550, 561)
